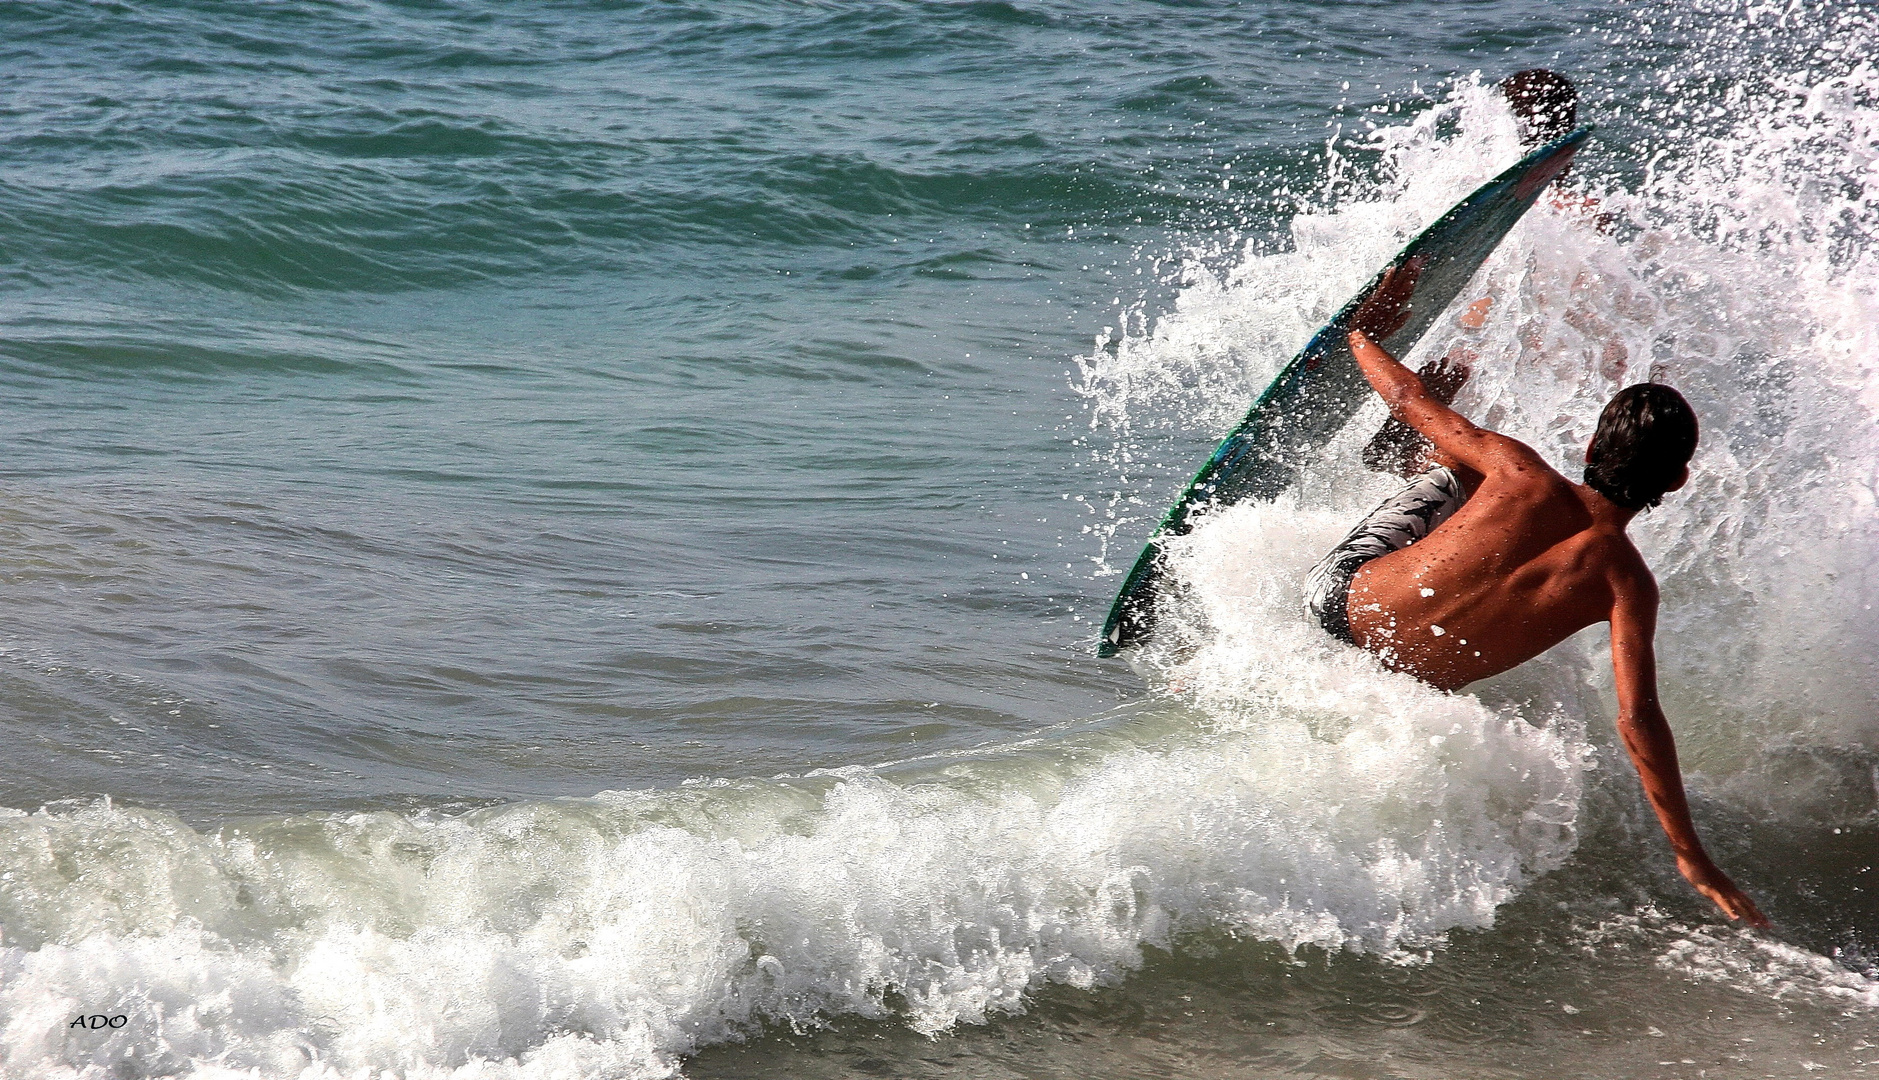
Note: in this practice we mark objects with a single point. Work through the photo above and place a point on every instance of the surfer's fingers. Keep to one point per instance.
(1386, 309)
(1400, 280)
(1752, 915)
(1736, 904)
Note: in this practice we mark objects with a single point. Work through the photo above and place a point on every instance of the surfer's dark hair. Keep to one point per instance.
(1645, 437)
(1545, 101)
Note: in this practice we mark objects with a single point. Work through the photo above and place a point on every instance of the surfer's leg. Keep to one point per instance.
(1400, 449)
(1397, 522)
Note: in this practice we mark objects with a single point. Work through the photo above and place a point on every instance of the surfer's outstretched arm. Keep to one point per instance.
(1452, 433)
(1647, 739)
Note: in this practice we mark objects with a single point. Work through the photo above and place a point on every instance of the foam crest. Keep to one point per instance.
(612, 936)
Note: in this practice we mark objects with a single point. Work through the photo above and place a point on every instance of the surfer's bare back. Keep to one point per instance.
(1490, 557)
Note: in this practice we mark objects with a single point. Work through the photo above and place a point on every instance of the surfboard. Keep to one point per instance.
(1321, 389)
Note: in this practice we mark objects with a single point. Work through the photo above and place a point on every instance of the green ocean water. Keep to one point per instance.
(567, 540)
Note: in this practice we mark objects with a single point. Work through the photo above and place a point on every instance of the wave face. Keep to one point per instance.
(426, 418)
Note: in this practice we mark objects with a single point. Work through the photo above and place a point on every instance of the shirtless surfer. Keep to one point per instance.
(1490, 557)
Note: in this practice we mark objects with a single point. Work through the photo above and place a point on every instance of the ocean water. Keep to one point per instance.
(566, 540)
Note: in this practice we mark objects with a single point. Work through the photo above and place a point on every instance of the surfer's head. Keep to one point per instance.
(1545, 102)
(1642, 446)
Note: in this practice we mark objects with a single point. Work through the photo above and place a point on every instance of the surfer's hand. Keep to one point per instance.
(1713, 883)
(1386, 309)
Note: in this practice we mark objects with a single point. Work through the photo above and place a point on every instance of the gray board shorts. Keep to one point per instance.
(1397, 522)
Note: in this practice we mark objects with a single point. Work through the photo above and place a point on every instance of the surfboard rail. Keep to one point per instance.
(1318, 392)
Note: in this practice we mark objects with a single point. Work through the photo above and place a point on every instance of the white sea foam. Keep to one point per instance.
(608, 937)
(1749, 961)
(1737, 958)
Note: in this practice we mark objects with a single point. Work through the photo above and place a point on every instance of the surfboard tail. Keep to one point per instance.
(1130, 622)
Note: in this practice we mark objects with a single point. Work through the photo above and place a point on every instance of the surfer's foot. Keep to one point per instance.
(1397, 447)
(1445, 377)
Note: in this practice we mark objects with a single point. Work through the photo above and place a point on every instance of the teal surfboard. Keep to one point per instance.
(1322, 388)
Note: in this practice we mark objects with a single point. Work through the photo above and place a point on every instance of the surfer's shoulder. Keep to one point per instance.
(1505, 453)
(1625, 571)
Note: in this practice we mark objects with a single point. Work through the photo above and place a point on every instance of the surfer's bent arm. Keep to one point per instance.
(1410, 401)
(1647, 738)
